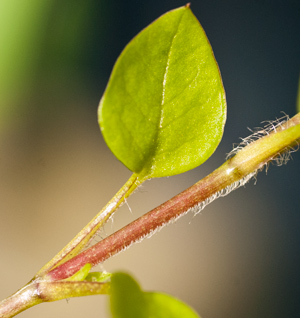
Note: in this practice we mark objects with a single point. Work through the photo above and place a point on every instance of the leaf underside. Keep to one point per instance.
(164, 108)
(129, 301)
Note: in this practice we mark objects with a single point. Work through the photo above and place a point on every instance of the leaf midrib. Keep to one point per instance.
(152, 154)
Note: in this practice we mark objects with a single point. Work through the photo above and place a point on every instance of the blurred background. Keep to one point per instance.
(240, 257)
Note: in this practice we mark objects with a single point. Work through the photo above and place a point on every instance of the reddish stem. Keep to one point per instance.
(142, 227)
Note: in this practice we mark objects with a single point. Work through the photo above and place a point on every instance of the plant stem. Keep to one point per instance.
(86, 234)
(234, 172)
(52, 291)
(23, 299)
(38, 291)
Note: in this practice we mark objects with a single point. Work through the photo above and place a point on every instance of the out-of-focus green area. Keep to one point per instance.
(43, 44)
(22, 26)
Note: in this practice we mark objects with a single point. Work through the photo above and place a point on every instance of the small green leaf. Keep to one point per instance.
(164, 108)
(81, 274)
(99, 277)
(129, 301)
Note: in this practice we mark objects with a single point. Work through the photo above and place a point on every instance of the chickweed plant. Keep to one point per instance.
(163, 113)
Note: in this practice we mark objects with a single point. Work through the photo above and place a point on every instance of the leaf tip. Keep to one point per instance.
(188, 5)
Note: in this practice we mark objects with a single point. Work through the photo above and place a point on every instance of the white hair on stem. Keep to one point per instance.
(259, 132)
(279, 160)
(222, 193)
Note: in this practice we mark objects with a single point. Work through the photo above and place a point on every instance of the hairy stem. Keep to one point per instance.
(234, 172)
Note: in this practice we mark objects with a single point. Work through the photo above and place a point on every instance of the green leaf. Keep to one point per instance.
(164, 306)
(81, 274)
(164, 108)
(129, 301)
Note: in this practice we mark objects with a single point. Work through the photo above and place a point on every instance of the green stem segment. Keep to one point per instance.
(52, 291)
(87, 233)
(38, 291)
(231, 174)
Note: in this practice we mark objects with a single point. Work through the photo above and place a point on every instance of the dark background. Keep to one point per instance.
(240, 257)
